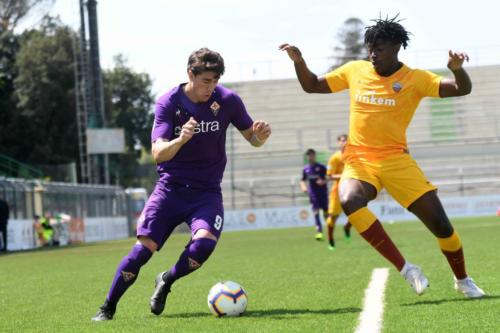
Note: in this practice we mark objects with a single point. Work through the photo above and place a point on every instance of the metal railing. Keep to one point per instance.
(285, 191)
(29, 197)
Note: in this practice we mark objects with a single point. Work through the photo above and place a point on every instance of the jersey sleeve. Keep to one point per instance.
(323, 172)
(304, 176)
(240, 117)
(163, 125)
(427, 83)
(338, 79)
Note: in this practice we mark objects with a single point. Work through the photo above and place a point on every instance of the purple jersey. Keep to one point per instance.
(200, 163)
(312, 173)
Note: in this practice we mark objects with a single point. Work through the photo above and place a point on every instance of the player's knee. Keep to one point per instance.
(439, 224)
(352, 201)
(200, 250)
(444, 228)
(203, 233)
(147, 243)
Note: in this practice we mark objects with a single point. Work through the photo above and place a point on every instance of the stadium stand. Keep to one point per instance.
(456, 141)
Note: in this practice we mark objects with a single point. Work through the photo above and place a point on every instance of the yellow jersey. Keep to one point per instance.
(381, 108)
(335, 165)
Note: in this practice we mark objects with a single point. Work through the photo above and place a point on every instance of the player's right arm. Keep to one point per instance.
(164, 150)
(303, 185)
(308, 80)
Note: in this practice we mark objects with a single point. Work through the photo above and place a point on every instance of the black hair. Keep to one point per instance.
(389, 30)
(310, 151)
(342, 136)
(206, 60)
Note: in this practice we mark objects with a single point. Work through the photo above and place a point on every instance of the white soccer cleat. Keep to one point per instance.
(469, 288)
(415, 277)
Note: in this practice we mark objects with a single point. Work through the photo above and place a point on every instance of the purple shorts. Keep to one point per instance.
(170, 205)
(320, 202)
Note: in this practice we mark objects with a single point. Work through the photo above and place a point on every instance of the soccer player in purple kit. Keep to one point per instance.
(314, 174)
(188, 145)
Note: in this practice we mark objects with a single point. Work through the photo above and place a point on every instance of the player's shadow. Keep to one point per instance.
(285, 313)
(451, 300)
(274, 313)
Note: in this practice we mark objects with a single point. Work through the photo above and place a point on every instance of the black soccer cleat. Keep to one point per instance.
(159, 297)
(106, 312)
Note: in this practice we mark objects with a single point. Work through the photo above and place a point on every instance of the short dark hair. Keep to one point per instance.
(389, 30)
(342, 136)
(206, 60)
(310, 151)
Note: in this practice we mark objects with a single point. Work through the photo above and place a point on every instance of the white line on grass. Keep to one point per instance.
(370, 319)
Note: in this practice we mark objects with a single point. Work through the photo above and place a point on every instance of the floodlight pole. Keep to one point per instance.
(102, 160)
(82, 93)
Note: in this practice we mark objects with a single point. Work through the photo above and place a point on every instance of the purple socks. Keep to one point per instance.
(127, 272)
(195, 254)
(317, 220)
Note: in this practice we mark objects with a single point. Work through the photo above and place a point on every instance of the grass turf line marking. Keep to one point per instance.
(370, 319)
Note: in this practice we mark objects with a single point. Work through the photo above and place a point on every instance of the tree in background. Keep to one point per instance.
(43, 129)
(37, 103)
(129, 105)
(13, 11)
(351, 40)
(9, 46)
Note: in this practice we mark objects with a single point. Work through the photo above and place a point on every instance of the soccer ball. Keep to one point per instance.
(227, 298)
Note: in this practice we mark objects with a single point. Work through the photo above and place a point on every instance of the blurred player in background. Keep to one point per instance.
(314, 183)
(384, 95)
(188, 145)
(4, 220)
(334, 171)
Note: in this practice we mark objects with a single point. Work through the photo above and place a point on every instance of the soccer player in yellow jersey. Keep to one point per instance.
(384, 95)
(334, 172)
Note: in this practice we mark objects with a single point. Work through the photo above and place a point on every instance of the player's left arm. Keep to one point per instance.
(258, 133)
(255, 132)
(335, 176)
(321, 181)
(461, 85)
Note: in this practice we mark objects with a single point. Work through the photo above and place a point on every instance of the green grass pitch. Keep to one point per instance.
(294, 284)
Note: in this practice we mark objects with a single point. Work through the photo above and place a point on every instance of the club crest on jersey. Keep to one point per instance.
(127, 276)
(396, 86)
(178, 113)
(215, 107)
